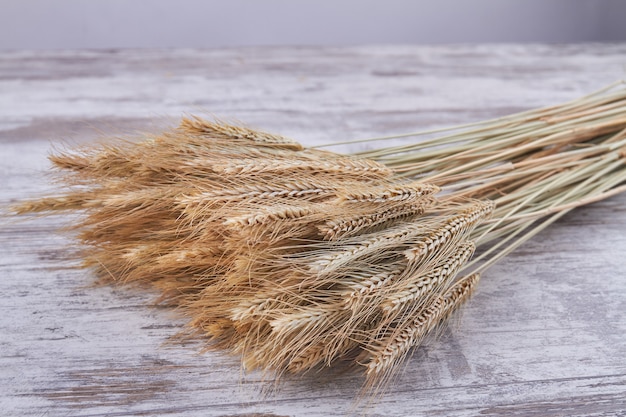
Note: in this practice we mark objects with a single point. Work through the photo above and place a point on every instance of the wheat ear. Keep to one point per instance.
(360, 222)
(414, 290)
(203, 127)
(456, 226)
(389, 352)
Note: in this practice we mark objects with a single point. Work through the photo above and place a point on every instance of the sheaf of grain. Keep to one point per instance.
(292, 257)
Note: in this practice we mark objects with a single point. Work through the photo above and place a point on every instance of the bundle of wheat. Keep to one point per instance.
(300, 258)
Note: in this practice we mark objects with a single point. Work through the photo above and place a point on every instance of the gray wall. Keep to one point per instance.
(46, 24)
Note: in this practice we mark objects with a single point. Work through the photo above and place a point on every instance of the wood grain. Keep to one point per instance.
(545, 335)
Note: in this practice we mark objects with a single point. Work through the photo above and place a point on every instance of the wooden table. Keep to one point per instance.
(545, 335)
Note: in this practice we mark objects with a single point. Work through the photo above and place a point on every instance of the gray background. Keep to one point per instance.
(46, 24)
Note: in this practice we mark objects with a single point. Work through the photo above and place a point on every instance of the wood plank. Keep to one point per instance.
(543, 336)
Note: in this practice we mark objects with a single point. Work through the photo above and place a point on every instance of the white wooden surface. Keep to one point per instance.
(545, 335)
